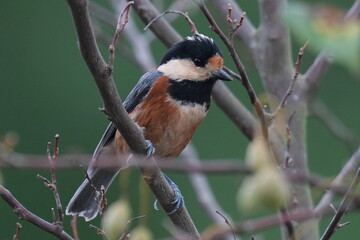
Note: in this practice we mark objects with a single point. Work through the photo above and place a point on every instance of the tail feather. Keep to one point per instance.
(85, 202)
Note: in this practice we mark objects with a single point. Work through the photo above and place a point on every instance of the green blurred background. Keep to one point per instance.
(45, 88)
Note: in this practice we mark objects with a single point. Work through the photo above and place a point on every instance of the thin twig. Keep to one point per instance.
(23, 213)
(127, 227)
(53, 187)
(74, 227)
(293, 80)
(227, 223)
(352, 164)
(121, 23)
(234, 24)
(99, 232)
(17, 233)
(343, 208)
(241, 69)
(185, 15)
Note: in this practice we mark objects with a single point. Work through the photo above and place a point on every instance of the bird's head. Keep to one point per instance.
(196, 58)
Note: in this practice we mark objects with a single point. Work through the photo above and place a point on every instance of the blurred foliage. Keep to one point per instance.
(324, 26)
(47, 89)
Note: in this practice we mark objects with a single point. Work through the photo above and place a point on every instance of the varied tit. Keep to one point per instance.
(169, 103)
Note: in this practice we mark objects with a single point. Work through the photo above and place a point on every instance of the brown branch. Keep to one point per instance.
(24, 214)
(343, 208)
(293, 80)
(122, 21)
(233, 23)
(117, 114)
(74, 227)
(53, 185)
(17, 233)
(241, 69)
(247, 32)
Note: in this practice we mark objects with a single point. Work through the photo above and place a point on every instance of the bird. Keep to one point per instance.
(169, 102)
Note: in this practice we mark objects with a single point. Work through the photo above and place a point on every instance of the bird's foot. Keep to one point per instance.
(150, 149)
(178, 201)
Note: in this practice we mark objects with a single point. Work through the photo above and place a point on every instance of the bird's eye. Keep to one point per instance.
(197, 62)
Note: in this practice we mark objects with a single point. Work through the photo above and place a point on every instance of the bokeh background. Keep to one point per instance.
(45, 89)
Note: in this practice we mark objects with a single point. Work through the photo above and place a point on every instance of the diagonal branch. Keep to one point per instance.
(348, 169)
(241, 69)
(102, 75)
(343, 208)
(55, 229)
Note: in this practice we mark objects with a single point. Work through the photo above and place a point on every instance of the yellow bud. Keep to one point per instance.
(266, 188)
(115, 219)
(141, 232)
(8, 142)
(258, 154)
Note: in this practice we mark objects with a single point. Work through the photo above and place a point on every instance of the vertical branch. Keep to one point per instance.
(53, 185)
(17, 233)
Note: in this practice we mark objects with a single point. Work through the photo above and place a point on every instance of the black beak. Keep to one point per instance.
(222, 75)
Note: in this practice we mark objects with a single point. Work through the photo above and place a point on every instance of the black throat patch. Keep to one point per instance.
(192, 92)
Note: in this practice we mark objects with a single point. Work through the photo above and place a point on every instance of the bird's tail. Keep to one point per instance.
(85, 202)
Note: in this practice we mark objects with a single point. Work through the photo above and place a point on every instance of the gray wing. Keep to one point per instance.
(136, 96)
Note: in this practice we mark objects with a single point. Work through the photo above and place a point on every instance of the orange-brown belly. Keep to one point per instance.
(169, 132)
(166, 123)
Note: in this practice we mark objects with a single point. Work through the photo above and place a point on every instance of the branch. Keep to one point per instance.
(242, 117)
(274, 50)
(247, 32)
(343, 208)
(17, 233)
(53, 228)
(290, 90)
(132, 134)
(213, 166)
(161, 27)
(241, 69)
(185, 15)
(251, 226)
(348, 169)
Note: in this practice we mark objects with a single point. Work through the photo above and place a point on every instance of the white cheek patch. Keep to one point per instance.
(179, 69)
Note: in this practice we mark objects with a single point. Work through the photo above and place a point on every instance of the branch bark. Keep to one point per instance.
(102, 75)
(343, 208)
(55, 229)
